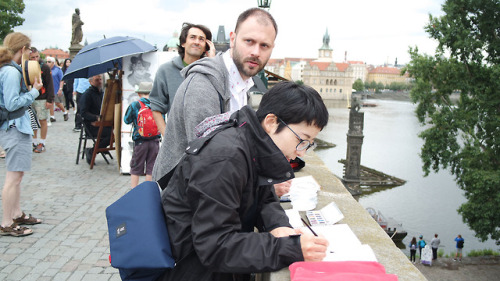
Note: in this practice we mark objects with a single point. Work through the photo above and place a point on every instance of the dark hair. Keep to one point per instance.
(294, 103)
(34, 49)
(262, 16)
(184, 33)
(64, 67)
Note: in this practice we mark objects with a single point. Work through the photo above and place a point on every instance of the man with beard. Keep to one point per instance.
(194, 44)
(90, 107)
(217, 85)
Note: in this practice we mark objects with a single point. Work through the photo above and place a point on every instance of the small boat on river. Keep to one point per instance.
(392, 227)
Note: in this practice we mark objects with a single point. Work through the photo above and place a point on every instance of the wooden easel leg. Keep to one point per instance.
(96, 147)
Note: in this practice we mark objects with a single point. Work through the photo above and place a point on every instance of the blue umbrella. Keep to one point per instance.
(102, 56)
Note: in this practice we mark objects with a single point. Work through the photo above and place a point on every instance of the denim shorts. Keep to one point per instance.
(18, 150)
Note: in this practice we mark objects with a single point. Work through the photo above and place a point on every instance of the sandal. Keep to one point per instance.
(15, 230)
(27, 220)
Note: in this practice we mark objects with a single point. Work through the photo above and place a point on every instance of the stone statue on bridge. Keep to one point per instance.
(355, 106)
(77, 33)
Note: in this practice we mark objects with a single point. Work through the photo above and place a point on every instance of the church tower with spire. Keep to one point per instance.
(325, 52)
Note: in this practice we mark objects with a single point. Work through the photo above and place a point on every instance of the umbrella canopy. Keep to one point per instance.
(101, 56)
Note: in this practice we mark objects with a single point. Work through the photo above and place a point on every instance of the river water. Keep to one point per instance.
(425, 205)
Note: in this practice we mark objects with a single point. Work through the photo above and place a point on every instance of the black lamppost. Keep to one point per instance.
(264, 4)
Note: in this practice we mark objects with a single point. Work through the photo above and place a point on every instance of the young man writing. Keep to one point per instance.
(222, 189)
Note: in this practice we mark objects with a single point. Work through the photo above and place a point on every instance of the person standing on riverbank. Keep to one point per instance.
(421, 245)
(435, 244)
(413, 249)
(460, 244)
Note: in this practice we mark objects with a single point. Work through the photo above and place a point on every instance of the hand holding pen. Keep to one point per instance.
(314, 247)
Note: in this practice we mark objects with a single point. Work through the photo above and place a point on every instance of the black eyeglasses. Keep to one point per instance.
(303, 144)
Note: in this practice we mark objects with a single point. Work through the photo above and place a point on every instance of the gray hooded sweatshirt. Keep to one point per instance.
(167, 80)
(202, 93)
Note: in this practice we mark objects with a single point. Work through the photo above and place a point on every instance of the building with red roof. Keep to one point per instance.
(59, 54)
(333, 80)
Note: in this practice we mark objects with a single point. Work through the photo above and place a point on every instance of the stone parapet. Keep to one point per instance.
(362, 224)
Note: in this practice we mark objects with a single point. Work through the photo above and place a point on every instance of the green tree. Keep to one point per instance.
(358, 85)
(380, 86)
(463, 137)
(371, 85)
(10, 16)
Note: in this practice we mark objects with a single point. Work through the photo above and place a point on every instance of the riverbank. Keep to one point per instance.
(398, 96)
(470, 268)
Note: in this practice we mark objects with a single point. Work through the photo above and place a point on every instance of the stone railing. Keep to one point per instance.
(362, 224)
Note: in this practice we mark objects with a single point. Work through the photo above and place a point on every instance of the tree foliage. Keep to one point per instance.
(358, 85)
(463, 137)
(10, 16)
(399, 86)
(371, 85)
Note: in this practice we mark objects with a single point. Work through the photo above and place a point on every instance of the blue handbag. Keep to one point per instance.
(138, 237)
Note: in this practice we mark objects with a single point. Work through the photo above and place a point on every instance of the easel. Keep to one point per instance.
(112, 96)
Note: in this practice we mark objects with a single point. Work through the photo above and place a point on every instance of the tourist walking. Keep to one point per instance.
(42, 103)
(57, 75)
(80, 85)
(68, 87)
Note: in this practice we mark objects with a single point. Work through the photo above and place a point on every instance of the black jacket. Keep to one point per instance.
(90, 104)
(47, 91)
(220, 191)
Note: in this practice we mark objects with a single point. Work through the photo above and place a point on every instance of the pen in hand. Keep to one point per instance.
(309, 227)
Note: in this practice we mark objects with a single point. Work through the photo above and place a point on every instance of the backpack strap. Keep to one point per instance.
(6, 115)
(143, 104)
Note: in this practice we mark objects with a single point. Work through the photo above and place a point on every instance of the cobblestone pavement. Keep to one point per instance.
(72, 242)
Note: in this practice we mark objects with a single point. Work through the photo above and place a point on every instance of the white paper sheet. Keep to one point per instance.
(343, 244)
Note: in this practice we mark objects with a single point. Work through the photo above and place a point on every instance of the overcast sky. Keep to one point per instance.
(375, 32)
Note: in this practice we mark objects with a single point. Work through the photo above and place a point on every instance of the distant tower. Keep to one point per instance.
(325, 52)
(345, 56)
(352, 167)
(396, 62)
(221, 43)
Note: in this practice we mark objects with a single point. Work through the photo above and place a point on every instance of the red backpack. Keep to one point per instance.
(146, 125)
